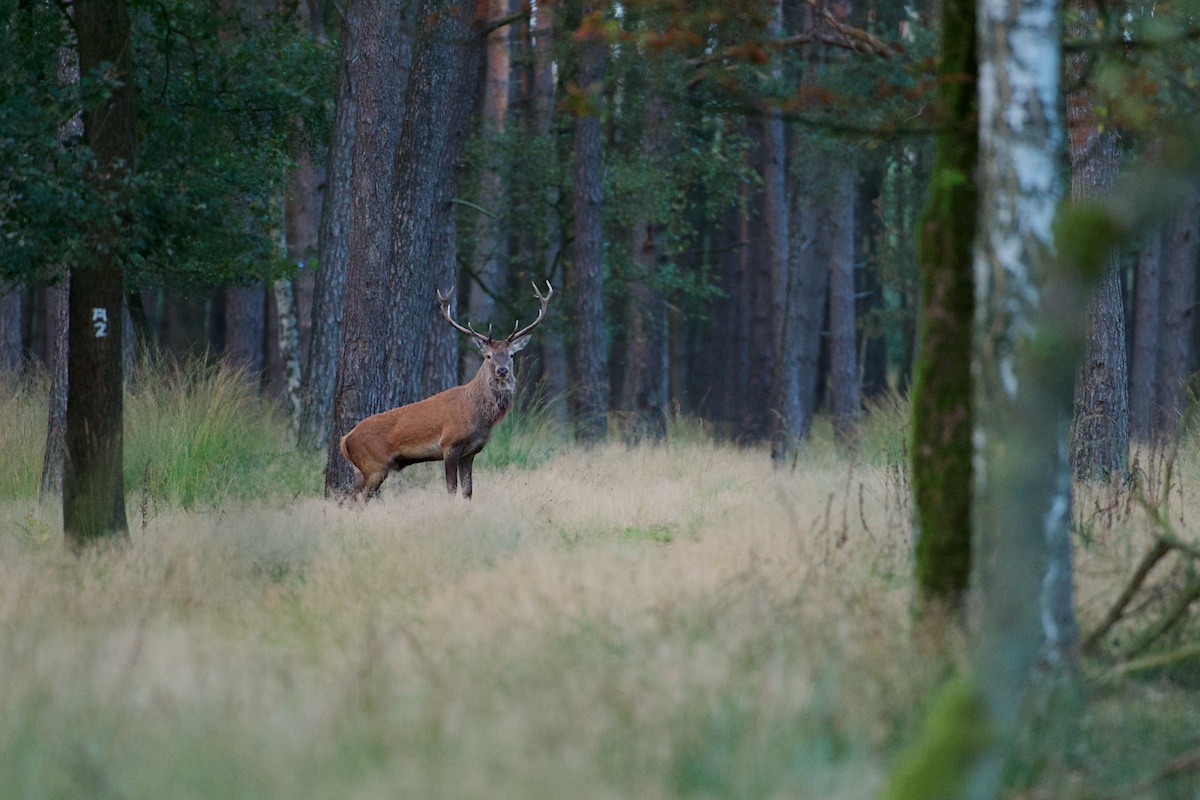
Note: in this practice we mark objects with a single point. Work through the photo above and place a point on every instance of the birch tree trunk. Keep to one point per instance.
(1029, 338)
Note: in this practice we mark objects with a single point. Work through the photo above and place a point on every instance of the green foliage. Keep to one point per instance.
(526, 438)
(223, 104)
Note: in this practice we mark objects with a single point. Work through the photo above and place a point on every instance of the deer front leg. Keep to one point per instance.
(451, 457)
(464, 473)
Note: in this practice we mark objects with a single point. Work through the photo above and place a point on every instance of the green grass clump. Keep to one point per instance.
(22, 434)
(198, 433)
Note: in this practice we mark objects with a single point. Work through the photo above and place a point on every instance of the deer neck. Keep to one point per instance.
(490, 396)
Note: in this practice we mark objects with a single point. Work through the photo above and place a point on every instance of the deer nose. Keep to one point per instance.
(502, 372)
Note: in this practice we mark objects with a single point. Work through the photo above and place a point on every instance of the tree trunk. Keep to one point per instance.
(441, 353)
(245, 330)
(373, 374)
(57, 321)
(591, 360)
(490, 262)
(555, 384)
(845, 401)
(93, 487)
(1179, 303)
(289, 349)
(10, 333)
(942, 417)
(333, 237)
(1147, 317)
(1029, 337)
(1100, 439)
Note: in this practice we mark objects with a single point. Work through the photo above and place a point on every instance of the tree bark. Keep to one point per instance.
(1029, 337)
(57, 320)
(591, 359)
(373, 374)
(245, 330)
(10, 333)
(1179, 303)
(289, 349)
(329, 290)
(1100, 439)
(490, 262)
(942, 417)
(93, 487)
(845, 400)
(1147, 316)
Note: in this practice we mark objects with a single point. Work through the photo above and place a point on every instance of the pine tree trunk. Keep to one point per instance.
(57, 321)
(591, 360)
(329, 289)
(555, 383)
(1179, 303)
(378, 53)
(93, 486)
(1100, 439)
(844, 398)
(10, 333)
(289, 349)
(490, 261)
(245, 330)
(1147, 317)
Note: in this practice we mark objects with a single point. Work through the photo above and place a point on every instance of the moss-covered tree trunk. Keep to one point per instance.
(941, 395)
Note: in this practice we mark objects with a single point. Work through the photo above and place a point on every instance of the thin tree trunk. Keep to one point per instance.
(555, 384)
(57, 319)
(490, 261)
(1147, 316)
(10, 333)
(333, 237)
(844, 397)
(289, 349)
(591, 360)
(245, 330)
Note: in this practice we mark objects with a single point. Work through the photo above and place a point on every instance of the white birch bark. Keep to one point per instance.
(1029, 317)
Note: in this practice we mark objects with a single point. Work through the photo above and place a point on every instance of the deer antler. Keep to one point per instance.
(517, 334)
(443, 303)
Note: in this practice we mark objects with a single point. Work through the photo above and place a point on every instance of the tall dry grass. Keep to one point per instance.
(624, 622)
(671, 621)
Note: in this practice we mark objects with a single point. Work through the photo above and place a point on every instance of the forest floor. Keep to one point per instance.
(673, 620)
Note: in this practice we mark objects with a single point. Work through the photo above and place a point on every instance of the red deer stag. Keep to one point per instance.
(451, 426)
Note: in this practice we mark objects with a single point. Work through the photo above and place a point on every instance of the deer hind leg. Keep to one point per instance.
(371, 483)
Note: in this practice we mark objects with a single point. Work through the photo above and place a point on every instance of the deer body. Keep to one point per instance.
(451, 426)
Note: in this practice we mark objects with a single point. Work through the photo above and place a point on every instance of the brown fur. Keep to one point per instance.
(451, 426)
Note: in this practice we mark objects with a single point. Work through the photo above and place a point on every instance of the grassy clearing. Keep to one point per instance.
(673, 621)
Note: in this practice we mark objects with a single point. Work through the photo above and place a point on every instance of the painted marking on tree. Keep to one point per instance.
(100, 322)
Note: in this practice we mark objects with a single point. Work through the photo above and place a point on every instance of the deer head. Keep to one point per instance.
(497, 354)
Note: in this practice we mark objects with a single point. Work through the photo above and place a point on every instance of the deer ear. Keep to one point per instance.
(519, 344)
(484, 349)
